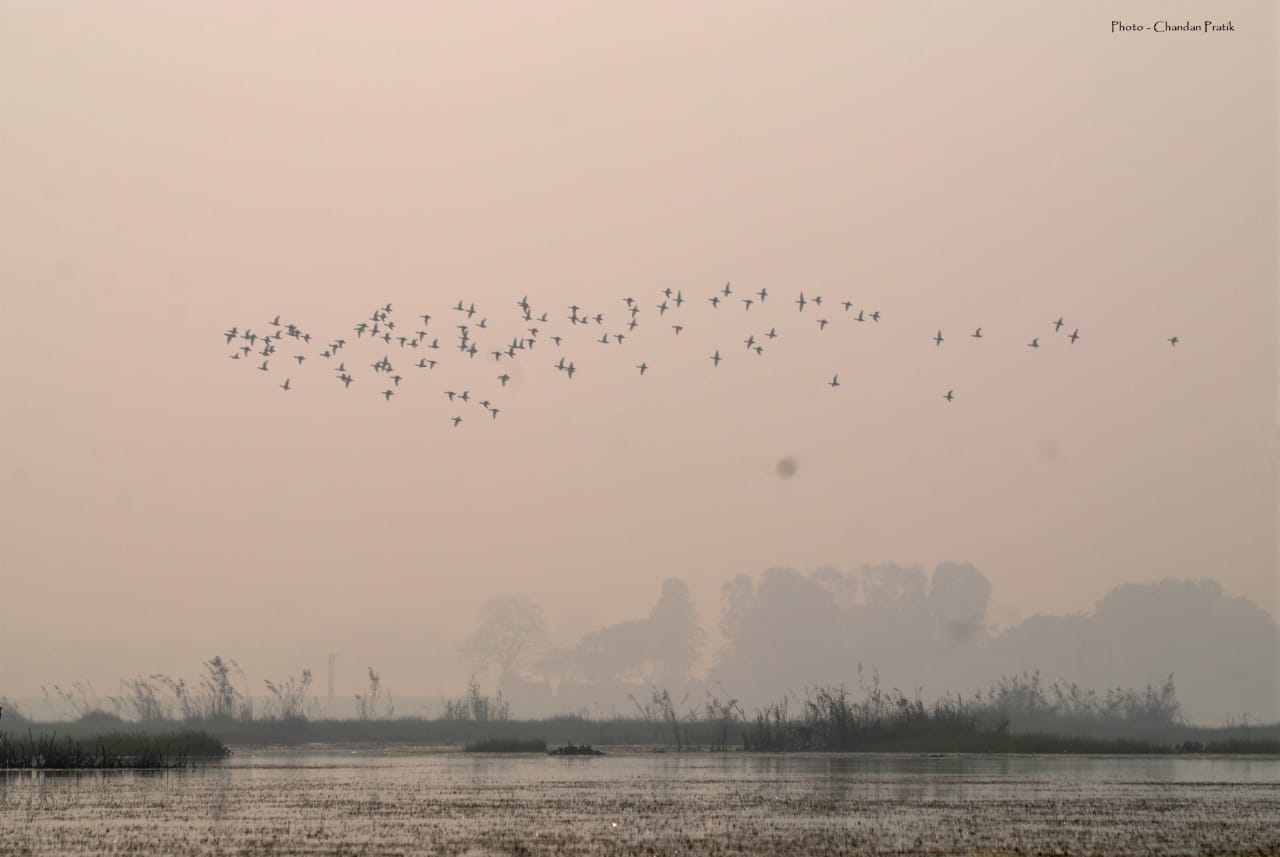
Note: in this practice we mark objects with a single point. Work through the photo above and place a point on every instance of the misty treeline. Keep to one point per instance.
(788, 668)
(927, 633)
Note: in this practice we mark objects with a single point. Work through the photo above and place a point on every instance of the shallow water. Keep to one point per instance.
(429, 801)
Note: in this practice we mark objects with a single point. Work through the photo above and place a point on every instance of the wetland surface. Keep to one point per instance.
(441, 801)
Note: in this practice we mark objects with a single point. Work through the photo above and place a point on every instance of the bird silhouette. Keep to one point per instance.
(938, 339)
(950, 394)
(1075, 334)
(642, 367)
(715, 358)
(835, 381)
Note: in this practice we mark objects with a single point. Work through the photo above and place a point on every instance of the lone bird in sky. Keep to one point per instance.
(835, 381)
(642, 367)
(977, 334)
(938, 339)
(1173, 340)
(1035, 343)
(715, 358)
(950, 395)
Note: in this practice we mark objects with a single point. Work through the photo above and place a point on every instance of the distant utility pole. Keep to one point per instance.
(333, 657)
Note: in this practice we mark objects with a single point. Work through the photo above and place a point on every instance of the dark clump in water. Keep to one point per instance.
(575, 750)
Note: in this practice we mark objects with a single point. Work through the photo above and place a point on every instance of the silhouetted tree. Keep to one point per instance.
(958, 597)
(512, 632)
(677, 638)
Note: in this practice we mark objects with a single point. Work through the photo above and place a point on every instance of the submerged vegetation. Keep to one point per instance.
(111, 751)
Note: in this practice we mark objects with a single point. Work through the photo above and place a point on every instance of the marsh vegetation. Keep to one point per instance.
(109, 751)
(1016, 714)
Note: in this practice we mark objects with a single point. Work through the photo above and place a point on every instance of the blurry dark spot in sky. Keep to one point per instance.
(786, 467)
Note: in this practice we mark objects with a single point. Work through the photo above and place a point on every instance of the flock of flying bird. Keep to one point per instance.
(423, 344)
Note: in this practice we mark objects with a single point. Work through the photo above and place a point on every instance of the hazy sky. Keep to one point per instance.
(171, 170)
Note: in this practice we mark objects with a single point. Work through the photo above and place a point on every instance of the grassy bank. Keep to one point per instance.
(1017, 714)
(109, 751)
(771, 730)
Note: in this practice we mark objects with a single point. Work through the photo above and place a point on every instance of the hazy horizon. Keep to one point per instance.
(172, 172)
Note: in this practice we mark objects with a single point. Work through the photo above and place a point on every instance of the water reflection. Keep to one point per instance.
(422, 799)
